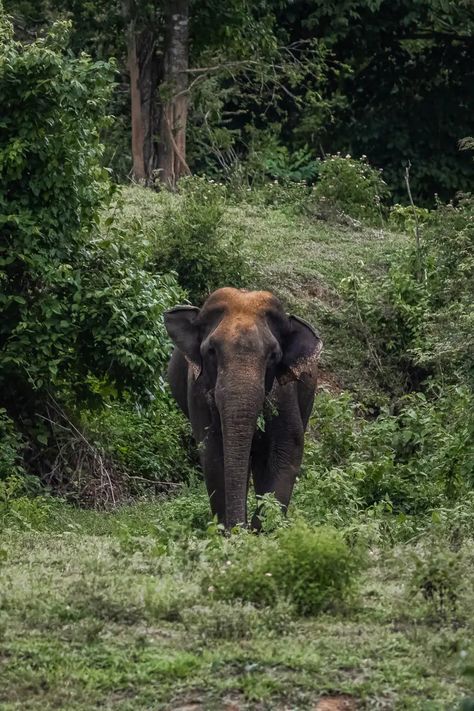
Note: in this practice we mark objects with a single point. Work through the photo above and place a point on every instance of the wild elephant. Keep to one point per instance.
(244, 373)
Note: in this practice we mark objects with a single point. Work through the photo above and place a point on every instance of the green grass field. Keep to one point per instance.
(119, 620)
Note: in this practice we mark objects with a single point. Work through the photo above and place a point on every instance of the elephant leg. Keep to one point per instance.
(207, 432)
(212, 460)
(277, 460)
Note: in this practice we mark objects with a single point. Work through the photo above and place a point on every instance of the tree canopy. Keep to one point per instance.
(389, 79)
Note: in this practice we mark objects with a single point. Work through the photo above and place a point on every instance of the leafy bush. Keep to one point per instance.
(22, 504)
(417, 320)
(10, 448)
(150, 441)
(439, 576)
(406, 218)
(295, 167)
(414, 459)
(194, 244)
(182, 233)
(350, 186)
(77, 307)
(312, 568)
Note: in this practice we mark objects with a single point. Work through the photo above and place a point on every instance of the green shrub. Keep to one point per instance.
(151, 441)
(416, 458)
(417, 320)
(350, 186)
(10, 448)
(194, 244)
(439, 576)
(406, 218)
(299, 166)
(313, 568)
(22, 505)
(77, 307)
(182, 233)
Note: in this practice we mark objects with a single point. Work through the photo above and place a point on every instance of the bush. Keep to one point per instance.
(151, 442)
(413, 459)
(312, 568)
(439, 576)
(183, 234)
(77, 307)
(350, 186)
(11, 447)
(22, 505)
(193, 242)
(417, 320)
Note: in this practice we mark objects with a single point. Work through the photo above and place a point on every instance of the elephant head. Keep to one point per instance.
(237, 345)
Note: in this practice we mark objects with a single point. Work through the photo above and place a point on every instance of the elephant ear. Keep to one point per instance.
(301, 352)
(182, 327)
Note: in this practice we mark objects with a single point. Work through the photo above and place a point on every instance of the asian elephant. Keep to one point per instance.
(244, 372)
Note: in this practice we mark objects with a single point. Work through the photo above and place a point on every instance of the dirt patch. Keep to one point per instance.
(310, 289)
(336, 703)
(328, 382)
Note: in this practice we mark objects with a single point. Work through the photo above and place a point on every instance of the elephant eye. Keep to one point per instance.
(211, 351)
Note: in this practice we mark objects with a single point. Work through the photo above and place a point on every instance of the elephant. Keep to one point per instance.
(244, 373)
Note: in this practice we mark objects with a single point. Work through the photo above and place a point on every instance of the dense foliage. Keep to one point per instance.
(274, 85)
(77, 308)
(418, 317)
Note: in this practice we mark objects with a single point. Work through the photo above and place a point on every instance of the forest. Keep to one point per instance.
(151, 153)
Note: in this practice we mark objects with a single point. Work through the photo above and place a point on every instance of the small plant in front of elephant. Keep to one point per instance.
(270, 513)
(313, 568)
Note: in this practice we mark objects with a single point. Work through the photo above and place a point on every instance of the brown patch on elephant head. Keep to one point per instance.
(239, 308)
(246, 327)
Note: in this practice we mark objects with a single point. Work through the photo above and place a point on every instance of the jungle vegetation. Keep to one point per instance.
(326, 155)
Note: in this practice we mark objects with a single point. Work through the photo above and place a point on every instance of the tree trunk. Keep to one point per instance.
(138, 127)
(143, 68)
(174, 97)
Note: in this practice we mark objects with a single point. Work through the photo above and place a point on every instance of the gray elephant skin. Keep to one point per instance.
(244, 373)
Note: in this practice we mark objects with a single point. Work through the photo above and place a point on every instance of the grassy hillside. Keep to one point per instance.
(130, 609)
(303, 260)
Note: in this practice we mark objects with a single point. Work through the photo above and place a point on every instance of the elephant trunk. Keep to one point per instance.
(239, 412)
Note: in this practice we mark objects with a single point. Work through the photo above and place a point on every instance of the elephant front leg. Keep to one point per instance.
(212, 460)
(208, 435)
(276, 465)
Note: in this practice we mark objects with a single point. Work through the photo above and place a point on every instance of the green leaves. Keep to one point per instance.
(76, 308)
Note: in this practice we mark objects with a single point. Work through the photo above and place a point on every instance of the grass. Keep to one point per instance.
(122, 621)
